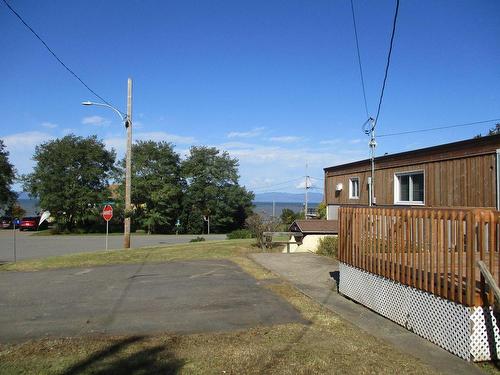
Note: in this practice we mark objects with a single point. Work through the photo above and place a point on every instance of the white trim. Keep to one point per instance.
(351, 180)
(410, 191)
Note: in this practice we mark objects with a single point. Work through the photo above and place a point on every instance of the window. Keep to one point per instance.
(409, 188)
(354, 188)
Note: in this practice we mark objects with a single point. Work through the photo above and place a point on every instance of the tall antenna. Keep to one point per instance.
(306, 187)
(369, 129)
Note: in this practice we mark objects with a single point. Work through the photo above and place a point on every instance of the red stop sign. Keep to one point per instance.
(107, 212)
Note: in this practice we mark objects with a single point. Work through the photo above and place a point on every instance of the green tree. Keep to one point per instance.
(7, 176)
(213, 190)
(288, 216)
(493, 131)
(322, 210)
(156, 185)
(15, 210)
(71, 179)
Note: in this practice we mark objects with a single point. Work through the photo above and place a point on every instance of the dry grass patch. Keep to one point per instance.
(189, 251)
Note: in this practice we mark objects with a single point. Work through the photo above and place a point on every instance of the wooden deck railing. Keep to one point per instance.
(434, 250)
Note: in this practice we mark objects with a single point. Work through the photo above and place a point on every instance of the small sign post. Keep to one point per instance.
(107, 214)
(14, 223)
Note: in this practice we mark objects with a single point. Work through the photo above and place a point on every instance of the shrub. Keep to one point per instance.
(328, 246)
(55, 230)
(198, 239)
(256, 224)
(239, 233)
(322, 210)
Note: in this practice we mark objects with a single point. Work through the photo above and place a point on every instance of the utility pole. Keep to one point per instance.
(372, 144)
(307, 187)
(128, 168)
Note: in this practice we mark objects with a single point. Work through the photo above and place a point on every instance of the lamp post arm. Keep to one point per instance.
(122, 116)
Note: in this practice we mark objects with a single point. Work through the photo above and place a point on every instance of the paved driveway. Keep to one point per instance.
(190, 296)
(30, 246)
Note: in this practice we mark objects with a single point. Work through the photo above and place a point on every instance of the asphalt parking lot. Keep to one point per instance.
(30, 246)
(181, 297)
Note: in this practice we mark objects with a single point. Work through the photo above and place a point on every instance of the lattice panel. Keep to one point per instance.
(485, 335)
(388, 299)
(442, 322)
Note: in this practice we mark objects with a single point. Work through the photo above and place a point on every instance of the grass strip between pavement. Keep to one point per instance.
(163, 253)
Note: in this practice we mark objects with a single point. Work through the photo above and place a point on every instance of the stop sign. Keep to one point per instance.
(107, 212)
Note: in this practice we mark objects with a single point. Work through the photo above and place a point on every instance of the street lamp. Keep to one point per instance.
(127, 120)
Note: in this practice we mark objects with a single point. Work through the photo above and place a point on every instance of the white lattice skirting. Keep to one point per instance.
(471, 333)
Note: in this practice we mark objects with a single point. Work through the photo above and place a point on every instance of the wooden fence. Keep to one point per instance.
(434, 250)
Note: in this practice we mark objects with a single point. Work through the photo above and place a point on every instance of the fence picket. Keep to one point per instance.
(434, 250)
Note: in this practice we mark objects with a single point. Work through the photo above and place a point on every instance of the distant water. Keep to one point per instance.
(32, 207)
(266, 208)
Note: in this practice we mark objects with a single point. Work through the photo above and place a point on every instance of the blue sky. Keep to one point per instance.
(275, 83)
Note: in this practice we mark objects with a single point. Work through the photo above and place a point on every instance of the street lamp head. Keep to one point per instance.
(87, 103)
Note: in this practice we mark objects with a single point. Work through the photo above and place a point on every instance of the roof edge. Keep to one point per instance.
(477, 142)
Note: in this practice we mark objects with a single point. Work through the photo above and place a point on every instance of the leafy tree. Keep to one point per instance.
(7, 176)
(213, 190)
(322, 210)
(493, 131)
(288, 216)
(71, 178)
(15, 210)
(156, 185)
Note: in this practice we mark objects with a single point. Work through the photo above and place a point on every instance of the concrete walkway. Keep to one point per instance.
(311, 274)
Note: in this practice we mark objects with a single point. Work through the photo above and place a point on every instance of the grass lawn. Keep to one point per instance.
(327, 344)
(196, 250)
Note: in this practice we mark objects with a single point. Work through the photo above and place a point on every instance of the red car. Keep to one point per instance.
(29, 223)
(5, 222)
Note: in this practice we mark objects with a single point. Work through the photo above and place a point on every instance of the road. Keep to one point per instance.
(135, 299)
(30, 246)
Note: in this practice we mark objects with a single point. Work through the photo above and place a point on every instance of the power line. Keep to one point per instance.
(275, 184)
(53, 53)
(359, 58)
(439, 128)
(388, 60)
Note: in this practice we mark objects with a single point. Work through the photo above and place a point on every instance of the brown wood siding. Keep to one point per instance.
(466, 182)
(457, 150)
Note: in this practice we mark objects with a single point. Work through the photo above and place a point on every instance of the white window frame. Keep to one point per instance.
(397, 184)
(351, 180)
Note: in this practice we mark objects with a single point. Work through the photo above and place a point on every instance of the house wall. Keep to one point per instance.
(456, 182)
(310, 243)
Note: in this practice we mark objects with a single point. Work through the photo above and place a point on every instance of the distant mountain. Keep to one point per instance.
(288, 197)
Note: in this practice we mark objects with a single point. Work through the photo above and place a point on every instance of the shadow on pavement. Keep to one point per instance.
(151, 360)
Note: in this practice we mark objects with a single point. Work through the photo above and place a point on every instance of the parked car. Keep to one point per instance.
(6, 222)
(31, 223)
